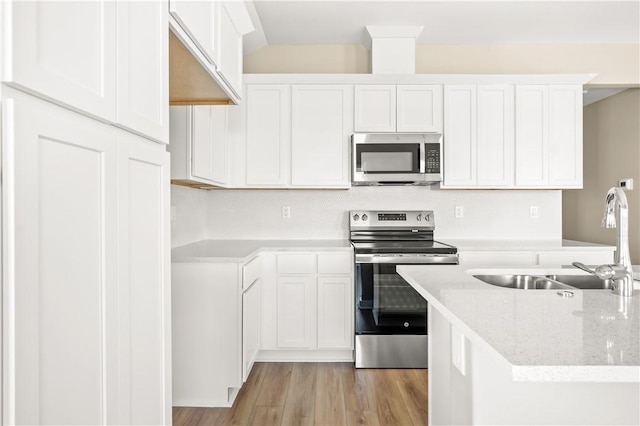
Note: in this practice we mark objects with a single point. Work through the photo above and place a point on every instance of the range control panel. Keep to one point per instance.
(385, 219)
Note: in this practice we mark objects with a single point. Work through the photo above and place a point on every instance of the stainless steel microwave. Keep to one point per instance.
(396, 158)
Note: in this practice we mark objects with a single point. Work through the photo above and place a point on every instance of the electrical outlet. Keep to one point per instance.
(459, 212)
(286, 212)
(533, 212)
(626, 184)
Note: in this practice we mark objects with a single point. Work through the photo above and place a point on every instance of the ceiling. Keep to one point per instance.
(445, 22)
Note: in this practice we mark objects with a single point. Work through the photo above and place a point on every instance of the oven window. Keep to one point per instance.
(386, 302)
(388, 158)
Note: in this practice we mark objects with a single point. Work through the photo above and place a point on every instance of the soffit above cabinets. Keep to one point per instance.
(447, 22)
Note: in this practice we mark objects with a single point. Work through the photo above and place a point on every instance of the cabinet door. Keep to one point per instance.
(532, 135)
(230, 51)
(268, 134)
(197, 19)
(143, 68)
(297, 312)
(66, 52)
(495, 138)
(375, 108)
(335, 312)
(321, 129)
(419, 108)
(565, 136)
(460, 135)
(144, 292)
(209, 144)
(60, 271)
(250, 328)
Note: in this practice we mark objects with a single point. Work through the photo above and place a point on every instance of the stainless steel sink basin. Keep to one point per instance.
(583, 282)
(523, 282)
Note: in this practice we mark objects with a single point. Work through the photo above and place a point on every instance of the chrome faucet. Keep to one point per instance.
(616, 213)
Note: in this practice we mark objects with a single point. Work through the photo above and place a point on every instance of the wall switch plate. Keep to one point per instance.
(286, 212)
(626, 184)
(459, 212)
(533, 212)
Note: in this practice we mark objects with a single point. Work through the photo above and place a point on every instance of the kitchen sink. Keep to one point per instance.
(523, 282)
(583, 282)
(548, 282)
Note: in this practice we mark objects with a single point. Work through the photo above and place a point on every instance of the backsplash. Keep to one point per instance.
(318, 214)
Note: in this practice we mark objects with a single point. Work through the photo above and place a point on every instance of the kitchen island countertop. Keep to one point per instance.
(593, 336)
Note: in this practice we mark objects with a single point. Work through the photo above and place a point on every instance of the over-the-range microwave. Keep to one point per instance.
(396, 158)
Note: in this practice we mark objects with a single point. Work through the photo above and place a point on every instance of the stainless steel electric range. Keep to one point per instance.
(390, 316)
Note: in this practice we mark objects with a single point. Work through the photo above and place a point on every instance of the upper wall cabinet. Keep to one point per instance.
(548, 132)
(199, 148)
(478, 136)
(321, 126)
(198, 20)
(398, 108)
(108, 60)
(212, 32)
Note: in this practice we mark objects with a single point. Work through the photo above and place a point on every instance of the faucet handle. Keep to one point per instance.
(582, 266)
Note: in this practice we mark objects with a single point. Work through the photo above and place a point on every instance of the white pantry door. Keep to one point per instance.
(65, 51)
(59, 266)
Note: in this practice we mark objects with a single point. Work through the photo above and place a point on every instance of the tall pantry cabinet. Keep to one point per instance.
(85, 199)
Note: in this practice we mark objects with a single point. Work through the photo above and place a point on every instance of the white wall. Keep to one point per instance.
(317, 214)
(190, 208)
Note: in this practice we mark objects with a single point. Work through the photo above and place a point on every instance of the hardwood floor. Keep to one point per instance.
(320, 394)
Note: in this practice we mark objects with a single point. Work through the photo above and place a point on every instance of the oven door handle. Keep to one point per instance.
(448, 259)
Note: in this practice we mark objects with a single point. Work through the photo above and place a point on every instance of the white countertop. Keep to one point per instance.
(224, 251)
(526, 245)
(593, 336)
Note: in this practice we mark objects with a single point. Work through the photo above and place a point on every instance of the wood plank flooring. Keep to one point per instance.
(320, 394)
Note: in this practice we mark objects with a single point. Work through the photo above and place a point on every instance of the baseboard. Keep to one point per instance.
(281, 355)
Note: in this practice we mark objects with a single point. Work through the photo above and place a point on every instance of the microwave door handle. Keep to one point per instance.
(422, 158)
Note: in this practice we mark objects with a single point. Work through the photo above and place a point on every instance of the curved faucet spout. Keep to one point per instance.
(616, 215)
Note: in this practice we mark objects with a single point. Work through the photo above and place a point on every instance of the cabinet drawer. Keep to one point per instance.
(296, 263)
(251, 272)
(334, 263)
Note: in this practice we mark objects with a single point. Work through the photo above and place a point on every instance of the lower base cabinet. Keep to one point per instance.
(206, 318)
(484, 259)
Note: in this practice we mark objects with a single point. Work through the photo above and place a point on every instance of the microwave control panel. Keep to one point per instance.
(432, 157)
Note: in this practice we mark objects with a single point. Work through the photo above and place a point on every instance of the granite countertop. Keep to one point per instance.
(224, 251)
(525, 245)
(591, 337)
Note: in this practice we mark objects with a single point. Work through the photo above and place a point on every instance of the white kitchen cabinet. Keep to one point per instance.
(144, 285)
(548, 136)
(64, 51)
(207, 326)
(105, 59)
(375, 108)
(335, 312)
(86, 247)
(401, 108)
(478, 136)
(296, 312)
(268, 137)
(230, 47)
(321, 127)
(314, 307)
(198, 20)
(143, 68)
(199, 145)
